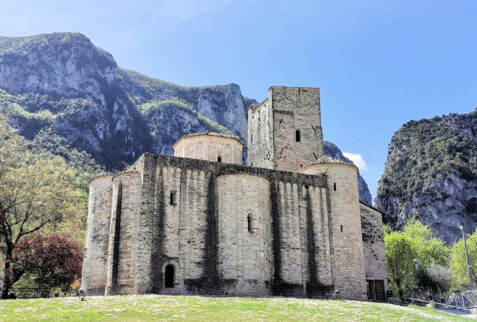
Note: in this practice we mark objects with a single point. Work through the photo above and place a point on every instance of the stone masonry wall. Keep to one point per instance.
(146, 227)
(204, 235)
(191, 237)
(289, 223)
(123, 232)
(260, 135)
(317, 240)
(302, 262)
(244, 227)
(208, 147)
(97, 237)
(273, 125)
(345, 228)
(296, 109)
(373, 244)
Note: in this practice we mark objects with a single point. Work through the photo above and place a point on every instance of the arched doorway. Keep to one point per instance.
(169, 276)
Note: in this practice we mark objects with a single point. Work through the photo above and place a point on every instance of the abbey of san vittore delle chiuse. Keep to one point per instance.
(288, 224)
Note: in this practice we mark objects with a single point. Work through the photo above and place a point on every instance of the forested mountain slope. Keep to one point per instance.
(60, 86)
(431, 175)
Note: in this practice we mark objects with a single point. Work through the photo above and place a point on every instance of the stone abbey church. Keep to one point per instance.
(288, 224)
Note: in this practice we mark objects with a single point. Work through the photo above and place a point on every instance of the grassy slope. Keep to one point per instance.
(152, 307)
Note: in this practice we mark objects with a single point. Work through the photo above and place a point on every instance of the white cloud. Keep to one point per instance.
(358, 160)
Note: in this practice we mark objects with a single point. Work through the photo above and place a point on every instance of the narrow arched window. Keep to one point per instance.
(250, 222)
(169, 276)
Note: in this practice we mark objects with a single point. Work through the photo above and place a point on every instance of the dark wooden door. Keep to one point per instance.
(380, 294)
(371, 295)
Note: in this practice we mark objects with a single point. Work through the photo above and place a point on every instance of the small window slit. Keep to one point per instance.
(173, 198)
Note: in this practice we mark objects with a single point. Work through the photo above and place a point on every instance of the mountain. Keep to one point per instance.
(60, 86)
(63, 93)
(172, 110)
(431, 175)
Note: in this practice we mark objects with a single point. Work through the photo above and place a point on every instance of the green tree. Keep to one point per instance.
(459, 263)
(400, 253)
(414, 242)
(429, 250)
(36, 193)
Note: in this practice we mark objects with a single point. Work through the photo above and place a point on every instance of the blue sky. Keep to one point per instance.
(379, 63)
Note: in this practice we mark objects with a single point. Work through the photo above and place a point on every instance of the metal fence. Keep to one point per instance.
(458, 300)
(26, 293)
(465, 300)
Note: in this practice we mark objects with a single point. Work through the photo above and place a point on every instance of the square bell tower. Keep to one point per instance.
(284, 131)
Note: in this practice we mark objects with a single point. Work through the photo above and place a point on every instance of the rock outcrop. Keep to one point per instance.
(172, 111)
(431, 175)
(61, 81)
(61, 84)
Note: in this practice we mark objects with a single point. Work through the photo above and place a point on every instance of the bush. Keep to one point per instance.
(434, 278)
(52, 261)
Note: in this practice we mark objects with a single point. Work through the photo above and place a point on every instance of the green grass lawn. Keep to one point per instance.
(154, 307)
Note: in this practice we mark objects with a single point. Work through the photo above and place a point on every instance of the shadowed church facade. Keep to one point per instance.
(289, 223)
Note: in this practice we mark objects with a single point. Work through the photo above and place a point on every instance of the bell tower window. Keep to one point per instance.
(298, 136)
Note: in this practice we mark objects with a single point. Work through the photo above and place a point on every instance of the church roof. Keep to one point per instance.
(329, 160)
(210, 133)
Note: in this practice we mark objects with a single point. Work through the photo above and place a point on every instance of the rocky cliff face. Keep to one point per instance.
(61, 84)
(64, 83)
(431, 175)
(66, 64)
(334, 152)
(173, 111)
